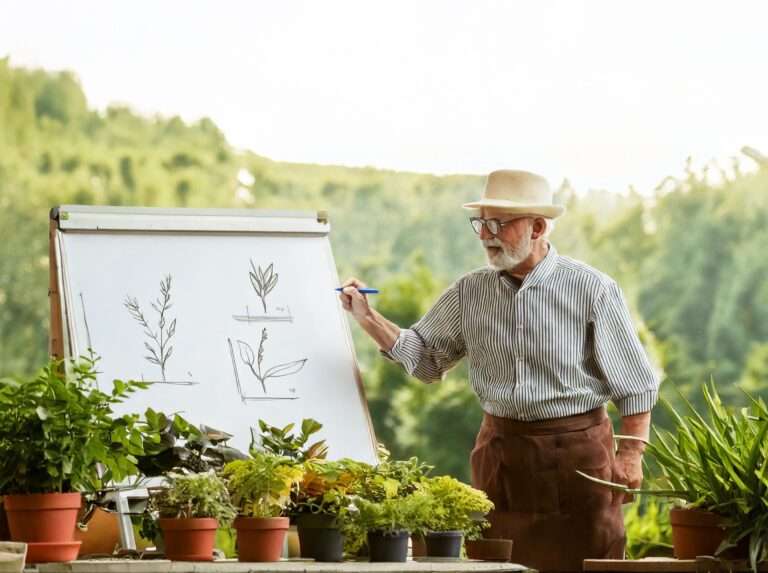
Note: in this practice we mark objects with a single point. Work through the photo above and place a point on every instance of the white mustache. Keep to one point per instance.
(492, 243)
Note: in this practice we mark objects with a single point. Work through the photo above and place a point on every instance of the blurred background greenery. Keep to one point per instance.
(690, 258)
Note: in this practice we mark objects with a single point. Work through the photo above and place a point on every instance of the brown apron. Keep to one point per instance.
(555, 517)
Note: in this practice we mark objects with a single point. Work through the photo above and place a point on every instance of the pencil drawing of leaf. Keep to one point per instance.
(246, 353)
(285, 369)
(158, 343)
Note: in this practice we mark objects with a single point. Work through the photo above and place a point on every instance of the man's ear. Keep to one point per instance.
(538, 228)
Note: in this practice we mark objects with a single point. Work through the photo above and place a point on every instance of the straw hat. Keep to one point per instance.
(518, 192)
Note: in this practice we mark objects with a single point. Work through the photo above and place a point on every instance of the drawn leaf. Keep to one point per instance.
(172, 328)
(151, 360)
(168, 354)
(285, 369)
(246, 352)
(272, 283)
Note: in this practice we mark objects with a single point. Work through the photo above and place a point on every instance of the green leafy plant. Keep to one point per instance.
(184, 447)
(283, 442)
(56, 427)
(192, 496)
(391, 514)
(446, 504)
(390, 478)
(718, 464)
(261, 486)
(649, 533)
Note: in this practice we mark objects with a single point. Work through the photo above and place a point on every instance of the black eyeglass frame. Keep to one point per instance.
(487, 223)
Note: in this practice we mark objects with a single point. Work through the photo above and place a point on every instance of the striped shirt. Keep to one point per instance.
(561, 343)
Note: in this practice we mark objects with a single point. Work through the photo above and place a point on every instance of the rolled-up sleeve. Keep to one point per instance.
(434, 345)
(620, 355)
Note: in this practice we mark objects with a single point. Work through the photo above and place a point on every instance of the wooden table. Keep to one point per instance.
(668, 565)
(286, 566)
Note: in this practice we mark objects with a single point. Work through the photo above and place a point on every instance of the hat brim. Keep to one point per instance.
(547, 211)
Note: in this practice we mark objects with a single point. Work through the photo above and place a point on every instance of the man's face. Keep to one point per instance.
(512, 244)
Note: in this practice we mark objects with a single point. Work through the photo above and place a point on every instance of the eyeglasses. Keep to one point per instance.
(494, 226)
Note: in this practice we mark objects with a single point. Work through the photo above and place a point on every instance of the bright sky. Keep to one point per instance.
(606, 93)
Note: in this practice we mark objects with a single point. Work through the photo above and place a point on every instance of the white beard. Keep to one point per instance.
(509, 257)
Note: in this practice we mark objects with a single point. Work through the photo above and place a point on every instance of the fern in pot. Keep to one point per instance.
(261, 489)
(191, 508)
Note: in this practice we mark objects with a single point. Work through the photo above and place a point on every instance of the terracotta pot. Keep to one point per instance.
(695, 532)
(418, 545)
(102, 535)
(489, 549)
(189, 539)
(260, 538)
(52, 551)
(43, 517)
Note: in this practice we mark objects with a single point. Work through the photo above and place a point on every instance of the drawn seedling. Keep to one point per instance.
(263, 281)
(158, 342)
(254, 362)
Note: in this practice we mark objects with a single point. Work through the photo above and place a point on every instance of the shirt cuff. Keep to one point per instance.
(405, 350)
(637, 404)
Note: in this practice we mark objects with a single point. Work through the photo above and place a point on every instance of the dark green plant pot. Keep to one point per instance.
(320, 538)
(444, 543)
(388, 546)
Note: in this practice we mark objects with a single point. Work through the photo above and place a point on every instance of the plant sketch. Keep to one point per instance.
(158, 343)
(254, 363)
(263, 281)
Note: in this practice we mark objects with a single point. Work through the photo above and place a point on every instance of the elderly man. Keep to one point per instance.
(549, 341)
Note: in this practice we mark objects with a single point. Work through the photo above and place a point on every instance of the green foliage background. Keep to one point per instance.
(690, 259)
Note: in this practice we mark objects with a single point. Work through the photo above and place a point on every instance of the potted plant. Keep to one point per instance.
(388, 524)
(55, 429)
(261, 488)
(717, 469)
(286, 442)
(322, 507)
(451, 509)
(190, 508)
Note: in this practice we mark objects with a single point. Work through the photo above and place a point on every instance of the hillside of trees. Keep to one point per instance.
(690, 258)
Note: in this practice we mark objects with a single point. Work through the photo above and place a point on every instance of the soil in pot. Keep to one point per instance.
(388, 546)
(489, 549)
(260, 539)
(320, 538)
(189, 539)
(43, 517)
(444, 543)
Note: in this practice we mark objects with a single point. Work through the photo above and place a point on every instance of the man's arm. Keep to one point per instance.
(629, 456)
(428, 349)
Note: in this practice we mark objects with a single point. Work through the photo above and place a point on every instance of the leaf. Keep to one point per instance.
(246, 352)
(285, 369)
(42, 413)
(310, 426)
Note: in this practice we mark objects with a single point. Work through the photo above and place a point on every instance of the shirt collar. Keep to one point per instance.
(540, 272)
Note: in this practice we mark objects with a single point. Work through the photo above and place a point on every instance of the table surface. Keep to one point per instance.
(286, 566)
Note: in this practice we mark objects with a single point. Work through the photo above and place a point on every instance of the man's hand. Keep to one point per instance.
(353, 301)
(629, 470)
